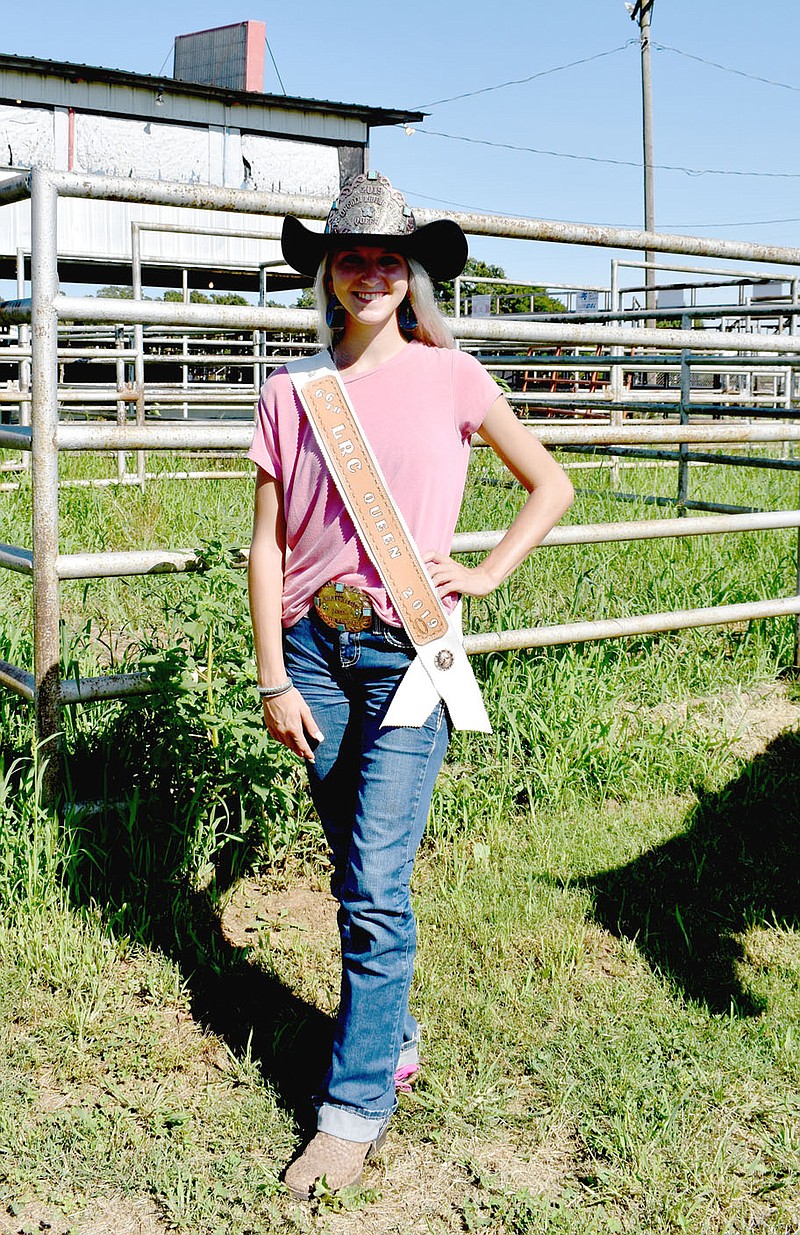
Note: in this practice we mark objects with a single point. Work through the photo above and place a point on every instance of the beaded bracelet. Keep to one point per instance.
(272, 692)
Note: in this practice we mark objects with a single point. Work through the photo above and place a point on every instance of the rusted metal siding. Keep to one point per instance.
(228, 56)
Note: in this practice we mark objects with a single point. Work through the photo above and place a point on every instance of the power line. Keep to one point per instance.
(274, 65)
(164, 63)
(412, 195)
(559, 68)
(738, 223)
(589, 158)
(521, 81)
(725, 68)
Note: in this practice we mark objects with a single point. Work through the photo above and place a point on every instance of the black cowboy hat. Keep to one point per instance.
(368, 211)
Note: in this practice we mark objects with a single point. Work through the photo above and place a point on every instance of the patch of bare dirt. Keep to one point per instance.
(107, 1216)
(257, 907)
(419, 1193)
(539, 1169)
(604, 954)
(770, 948)
(747, 719)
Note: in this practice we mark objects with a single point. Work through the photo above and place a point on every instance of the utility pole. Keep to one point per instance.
(641, 11)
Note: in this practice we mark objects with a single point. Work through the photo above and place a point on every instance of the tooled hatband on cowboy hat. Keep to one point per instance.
(371, 212)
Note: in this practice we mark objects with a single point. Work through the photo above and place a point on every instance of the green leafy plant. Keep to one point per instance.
(189, 789)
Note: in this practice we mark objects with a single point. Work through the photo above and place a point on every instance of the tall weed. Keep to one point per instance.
(183, 783)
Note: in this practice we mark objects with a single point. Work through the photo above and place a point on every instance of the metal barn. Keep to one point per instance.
(81, 118)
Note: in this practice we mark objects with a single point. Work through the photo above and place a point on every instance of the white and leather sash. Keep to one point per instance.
(441, 668)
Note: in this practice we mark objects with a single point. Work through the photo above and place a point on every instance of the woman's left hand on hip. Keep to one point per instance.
(448, 575)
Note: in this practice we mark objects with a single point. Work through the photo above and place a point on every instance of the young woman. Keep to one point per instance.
(330, 646)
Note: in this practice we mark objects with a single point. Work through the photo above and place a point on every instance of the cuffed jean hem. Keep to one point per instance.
(350, 1126)
(409, 1053)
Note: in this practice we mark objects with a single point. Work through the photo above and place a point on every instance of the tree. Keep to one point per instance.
(306, 299)
(513, 298)
(175, 297)
(196, 297)
(114, 292)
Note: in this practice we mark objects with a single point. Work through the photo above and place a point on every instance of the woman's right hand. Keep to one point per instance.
(290, 722)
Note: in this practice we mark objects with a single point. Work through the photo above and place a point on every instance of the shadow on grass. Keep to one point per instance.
(136, 833)
(737, 864)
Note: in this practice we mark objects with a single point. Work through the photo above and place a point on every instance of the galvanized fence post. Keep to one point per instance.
(122, 407)
(616, 376)
(44, 468)
(683, 449)
(138, 345)
(185, 345)
(797, 616)
(24, 337)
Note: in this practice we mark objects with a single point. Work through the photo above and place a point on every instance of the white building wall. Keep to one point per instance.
(275, 165)
(127, 147)
(113, 146)
(27, 136)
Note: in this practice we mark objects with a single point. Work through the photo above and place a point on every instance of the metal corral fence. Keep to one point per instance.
(109, 371)
(46, 435)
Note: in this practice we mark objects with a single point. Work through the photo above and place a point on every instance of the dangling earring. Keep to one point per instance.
(334, 314)
(406, 317)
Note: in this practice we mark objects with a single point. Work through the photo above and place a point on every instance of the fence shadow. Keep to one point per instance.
(737, 864)
(131, 855)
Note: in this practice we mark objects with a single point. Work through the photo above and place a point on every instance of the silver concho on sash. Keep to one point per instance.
(443, 660)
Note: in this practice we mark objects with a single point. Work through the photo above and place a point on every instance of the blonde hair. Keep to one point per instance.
(431, 329)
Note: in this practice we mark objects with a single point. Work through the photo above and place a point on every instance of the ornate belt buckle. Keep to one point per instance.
(343, 608)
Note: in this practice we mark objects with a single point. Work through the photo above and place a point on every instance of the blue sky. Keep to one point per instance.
(706, 119)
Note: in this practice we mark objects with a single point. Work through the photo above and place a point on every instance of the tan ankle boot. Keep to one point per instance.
(339, 1162)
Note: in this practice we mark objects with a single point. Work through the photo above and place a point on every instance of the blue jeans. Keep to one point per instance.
(372, 789)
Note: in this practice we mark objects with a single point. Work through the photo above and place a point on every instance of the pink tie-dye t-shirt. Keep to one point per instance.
(418, 412)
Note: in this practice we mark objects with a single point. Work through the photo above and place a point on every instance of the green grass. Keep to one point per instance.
(609, 966)
(109, 1088)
